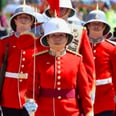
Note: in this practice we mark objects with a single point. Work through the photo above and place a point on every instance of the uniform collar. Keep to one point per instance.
(53, 53)
(95, 41)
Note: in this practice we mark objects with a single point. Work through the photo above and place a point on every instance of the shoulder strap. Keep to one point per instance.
(40, 53)
(112, 42)
(76, 53)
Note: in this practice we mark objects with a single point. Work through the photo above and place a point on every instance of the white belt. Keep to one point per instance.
(104, 81)
(16, 75)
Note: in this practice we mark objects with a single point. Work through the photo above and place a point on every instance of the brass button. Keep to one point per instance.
(59, 77)
(58, 83)
(58, 62)
(59, 72)
(59, 97)
(58, 88)
(94, 51)
(22, 66)
(58, 58)
(59, 67)
(24, 52)
(23, 59)
(20, 80)
(94, 57)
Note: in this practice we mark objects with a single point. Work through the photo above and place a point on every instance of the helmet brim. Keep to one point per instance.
(44, 42)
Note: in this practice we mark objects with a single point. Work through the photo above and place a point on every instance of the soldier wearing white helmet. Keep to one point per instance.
(66, 10)
(64, 71)
(103, 51)
(19, 49)
(80, 43)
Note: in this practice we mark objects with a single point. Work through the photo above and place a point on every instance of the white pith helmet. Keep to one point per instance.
(55, 25)
(25, 9)
(63, 4)
(99, 16)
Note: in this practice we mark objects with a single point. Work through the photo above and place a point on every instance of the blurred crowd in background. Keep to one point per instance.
(82, 7)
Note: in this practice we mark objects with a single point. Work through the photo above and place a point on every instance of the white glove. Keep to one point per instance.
(93, 97)
(30, 105)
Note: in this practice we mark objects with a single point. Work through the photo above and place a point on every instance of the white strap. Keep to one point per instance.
(16, 75)
(103, 81)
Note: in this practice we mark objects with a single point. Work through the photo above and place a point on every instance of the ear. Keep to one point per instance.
(47, 40)
(16, 22)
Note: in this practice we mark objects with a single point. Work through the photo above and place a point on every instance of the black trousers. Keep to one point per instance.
(106, 113)
(14, 112)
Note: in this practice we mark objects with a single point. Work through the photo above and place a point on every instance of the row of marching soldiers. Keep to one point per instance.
(50, 66)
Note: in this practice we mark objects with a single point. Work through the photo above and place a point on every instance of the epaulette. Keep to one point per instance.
(6, 36)
(112, 42)
(40, 53)
(75, 53)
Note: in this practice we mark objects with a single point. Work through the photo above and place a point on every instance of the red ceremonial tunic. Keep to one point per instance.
(58, 80)
(86, 51)
(104, 98)
(18, 58)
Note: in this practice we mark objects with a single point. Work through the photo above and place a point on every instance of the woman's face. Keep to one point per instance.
(96, 29)
(23, 22)
(96, 26)
(24, 18)
(57, 38)
(64, 13)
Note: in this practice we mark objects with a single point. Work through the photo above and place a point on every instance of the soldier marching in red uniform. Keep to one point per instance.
(14, 87)
(80, 43)
(60, 75)
(103, 50)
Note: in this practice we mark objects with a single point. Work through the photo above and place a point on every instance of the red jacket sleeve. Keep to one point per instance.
(83, 90)
(86, 51)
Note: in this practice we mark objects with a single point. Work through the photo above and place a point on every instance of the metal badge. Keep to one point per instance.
(22, 76)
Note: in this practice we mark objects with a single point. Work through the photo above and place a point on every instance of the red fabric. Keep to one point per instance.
(26, 40)
(54, 6)
(86, 51)
(104, 99)
(14, 89)
(73, 75)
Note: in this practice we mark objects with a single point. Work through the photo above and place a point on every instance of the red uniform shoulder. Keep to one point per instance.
(111, 42)
(72, 52)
